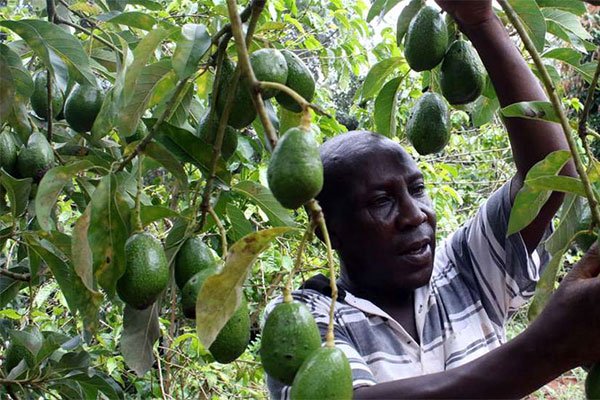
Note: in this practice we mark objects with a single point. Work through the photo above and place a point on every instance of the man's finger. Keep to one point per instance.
(588, 266)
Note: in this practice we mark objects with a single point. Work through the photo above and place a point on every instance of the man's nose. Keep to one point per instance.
(410, 214)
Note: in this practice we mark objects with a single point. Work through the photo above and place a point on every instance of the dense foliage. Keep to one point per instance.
(127, 151)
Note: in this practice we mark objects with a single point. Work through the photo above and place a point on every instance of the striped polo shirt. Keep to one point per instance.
(479, 278)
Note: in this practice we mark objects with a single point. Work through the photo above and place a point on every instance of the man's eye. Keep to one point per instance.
(380, 201)
(419, 189)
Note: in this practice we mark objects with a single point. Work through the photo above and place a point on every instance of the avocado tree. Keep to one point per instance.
(151, 154)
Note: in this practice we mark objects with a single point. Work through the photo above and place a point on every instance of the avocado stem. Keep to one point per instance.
(319, 218)
(138, 194)
(287, 290)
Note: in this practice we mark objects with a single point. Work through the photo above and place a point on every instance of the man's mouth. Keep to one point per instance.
(416, 251)
(419, 252)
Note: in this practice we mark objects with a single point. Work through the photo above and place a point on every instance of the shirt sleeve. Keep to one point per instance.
(498, 267)
(318, 305)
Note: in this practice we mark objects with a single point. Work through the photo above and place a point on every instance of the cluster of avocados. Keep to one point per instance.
(291, 353)
(194, 263)
(31, 160)
(429, 42)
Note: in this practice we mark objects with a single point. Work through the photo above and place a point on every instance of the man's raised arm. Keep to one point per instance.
(514, 82)
(565, 335)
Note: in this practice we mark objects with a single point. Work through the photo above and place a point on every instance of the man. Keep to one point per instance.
(416, 320)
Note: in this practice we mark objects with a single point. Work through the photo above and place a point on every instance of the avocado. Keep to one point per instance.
(289, 336)
(140, 132)
(193, 257)
(426, 40)
(299, 79)
(146, 271)
(242, 111)
(325, 375)
(232, 340)
(585, 240)
(592, 382)
(39, 97)
(82, 107)
(8, 152)
(269, 65)
(428, 127)
(207, 131)
(462, 76)
(189, 293)
(35, 158)
(14, 354)
(295, 172)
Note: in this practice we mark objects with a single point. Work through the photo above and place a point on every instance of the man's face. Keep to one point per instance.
(385, 230)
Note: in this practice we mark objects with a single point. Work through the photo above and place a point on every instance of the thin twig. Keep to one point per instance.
(26, 277)
(287, 291)
(89, 33)
(222, 231)
(245, 14)
(588, 102)
(292, 93)
(556, 103)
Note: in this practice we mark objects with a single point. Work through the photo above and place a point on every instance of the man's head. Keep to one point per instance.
(379, 217)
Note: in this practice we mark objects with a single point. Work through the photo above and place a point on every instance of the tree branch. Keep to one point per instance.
(80, 28)
(16, 276)
(556, 103)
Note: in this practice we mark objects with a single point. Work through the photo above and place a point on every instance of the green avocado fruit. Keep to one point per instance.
(585, 240)
(193, 257)
(39, 97)
(8, 152)
(232, 340)
(146, 271)
(289, 336)
(426, 40)
(14, 354)
(242, 111)
(428, 127)
(592, 383)
(269, 65)
(190, 291)
(82, 107)
(140, 132)
(207, 131)
(325, 375)
(295, 172)
(299, 79)
(35, 158)
(462, 76)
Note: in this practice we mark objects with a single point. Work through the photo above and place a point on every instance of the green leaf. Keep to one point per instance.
(378, 75)
(187, 147)
(13, 79)
(539, 110)
(150, 77)
(140, 332)
(9, 288)
(566, 54)
(78, 297)
(30, 338)
(262, 196)
(529, 201)
(93, 382)
(221, 293)
(141, 54)
(575, 7)
(385, 113)
(192, 45)
(150, 5)
(567, 21)
(149, 214)
(59, 50)
(573, 213)
(135, 19)
(533, 19)
(50, 187)
(159, 153)
(545, 286)
(17, 191)
(559, 183)
(107, 233)
(81, 252)
(568, 36)
(380, 8)
(240, 226)
(406, 16)
(484, 110)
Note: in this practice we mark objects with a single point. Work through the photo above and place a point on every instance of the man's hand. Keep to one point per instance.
(565, 335)
(571, 320)
(468, 12)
